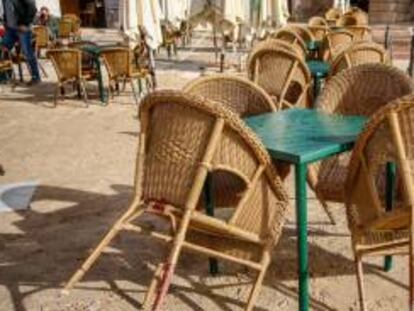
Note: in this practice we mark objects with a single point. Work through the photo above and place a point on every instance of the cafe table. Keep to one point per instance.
(95, 52)
(319, 71)
(301, 137)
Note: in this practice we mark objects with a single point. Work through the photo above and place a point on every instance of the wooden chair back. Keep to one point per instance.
(117, 62)
(67, 63)
(334, 43)
(41, 36)
(292, 37)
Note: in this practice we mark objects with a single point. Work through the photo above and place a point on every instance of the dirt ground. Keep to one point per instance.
(83, 160)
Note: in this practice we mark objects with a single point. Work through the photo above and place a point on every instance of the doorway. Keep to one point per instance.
(362, 4)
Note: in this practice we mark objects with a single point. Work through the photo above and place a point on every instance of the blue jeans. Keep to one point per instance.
(25, 38)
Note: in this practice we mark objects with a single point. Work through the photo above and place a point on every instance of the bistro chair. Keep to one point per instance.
(141, 63)
(319, 32)
(291, 37)
(360, 53)
(283, 74)
(332, 16)
(6, 66)
(280, 44)
(41, 44)
(64, 29)
(377, 230)
(361, 33)
(118, 63)
(174, 161)
(318, 21)
(360, 90)
(304, 33)
(356, 17)
(68, 67)
(334, 43)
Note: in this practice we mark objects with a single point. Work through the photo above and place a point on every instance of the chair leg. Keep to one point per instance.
(360, 280)
(146, 305)
(134, 91)
(99, 249)
(58, 90)
(82, 84)
(254, 294)
(43, 70)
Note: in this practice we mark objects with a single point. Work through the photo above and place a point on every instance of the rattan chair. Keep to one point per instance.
(375, 229)
(174, 161)
(170, 36)
(361, 33)
(6, 65)
(332, 16)
(41, 43)
(318, 21)
(283, 74)
(361, 90)
(64, 29)
(360, 53)
(303, 32)
(118, 62)
(359, 16)
(279, 44)
(334, 43)
(319, 32)
(141, 63)
(291, 37)
(68, 67)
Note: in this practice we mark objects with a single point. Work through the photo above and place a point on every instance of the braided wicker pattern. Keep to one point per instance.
(345, 94)
(368, 220)
(354, 16)
(238, 94)
(292, 37)
(319, 32)
(277, 44)
(334, 43)
(281, 73)
(333, 15)
(87, 59)
(176, 147)
(317, 21)
(360, 53)
(117, 61)
(67, 63)
(64, 29)
(41, 35)
(360, 32)
(303, 32)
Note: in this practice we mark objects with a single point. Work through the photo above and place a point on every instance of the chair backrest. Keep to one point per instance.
(319, 32)
(334, 43)
(290, 36)
(364, 89)
(65, 28)
(317, 21)
(360, 53)
(361, 33)
(202, 137)
(333, 15)
(87, 59)
(238, 94)
(67, 63)
(359, 16)
(303, 32)
(282, 74)
(280, 44)
(388, 138)
(41, 34)
(117, 61)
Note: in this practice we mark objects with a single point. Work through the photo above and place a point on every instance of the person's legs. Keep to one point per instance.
(25, 39)
(10, 38)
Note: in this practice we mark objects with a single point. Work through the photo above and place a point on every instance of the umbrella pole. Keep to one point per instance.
(215, 41)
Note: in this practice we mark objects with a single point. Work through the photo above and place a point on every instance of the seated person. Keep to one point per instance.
(44, 18)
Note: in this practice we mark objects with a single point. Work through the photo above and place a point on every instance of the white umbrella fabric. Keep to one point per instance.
(175, 11)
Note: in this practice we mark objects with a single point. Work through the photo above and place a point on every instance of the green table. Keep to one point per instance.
(301, 137)
(319, 71)
(95, 52)
(313, 48)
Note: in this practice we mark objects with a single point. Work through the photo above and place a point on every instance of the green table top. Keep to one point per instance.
(301, 136)
(319, 68)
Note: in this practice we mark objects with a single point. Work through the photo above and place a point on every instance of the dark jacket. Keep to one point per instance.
(25, 11)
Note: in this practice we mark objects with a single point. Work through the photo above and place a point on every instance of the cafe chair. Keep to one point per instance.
(360, 53)
(377, 230)
(354, 17)
(68, 67)
(173, 164)
(318, 21)
(41, 44)
(304, 33)
(362, 91)
(332, 16)
(360, 32)
(119, 65)
(282, 74)
(141, 63)
(334, 43)
(292, 37)
(280, 44)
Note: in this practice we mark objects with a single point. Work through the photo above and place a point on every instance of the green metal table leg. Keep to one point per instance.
(209, 202)
(390, 194)
(302, 232)
(317, 86)
(102, 92)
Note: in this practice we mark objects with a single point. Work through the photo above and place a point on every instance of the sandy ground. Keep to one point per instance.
(83, 160)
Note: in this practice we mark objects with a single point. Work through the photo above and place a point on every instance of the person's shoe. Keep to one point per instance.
(33, 82)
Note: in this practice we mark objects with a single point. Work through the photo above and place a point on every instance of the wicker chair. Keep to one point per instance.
(332, 16)
(64, 29)
(68, 67)
(281, 73)
(292, 37)
(361, 33)
(360, 53)
(170, 35)
(280, 44)
(6, 65)
(361, 90)
(174, 161)
(359, 17)
(141, 64)
(377, 230)
(319, 32)
(303, 32)
(41, 43)
(318, 21)
(334, 43)
(119, 64)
